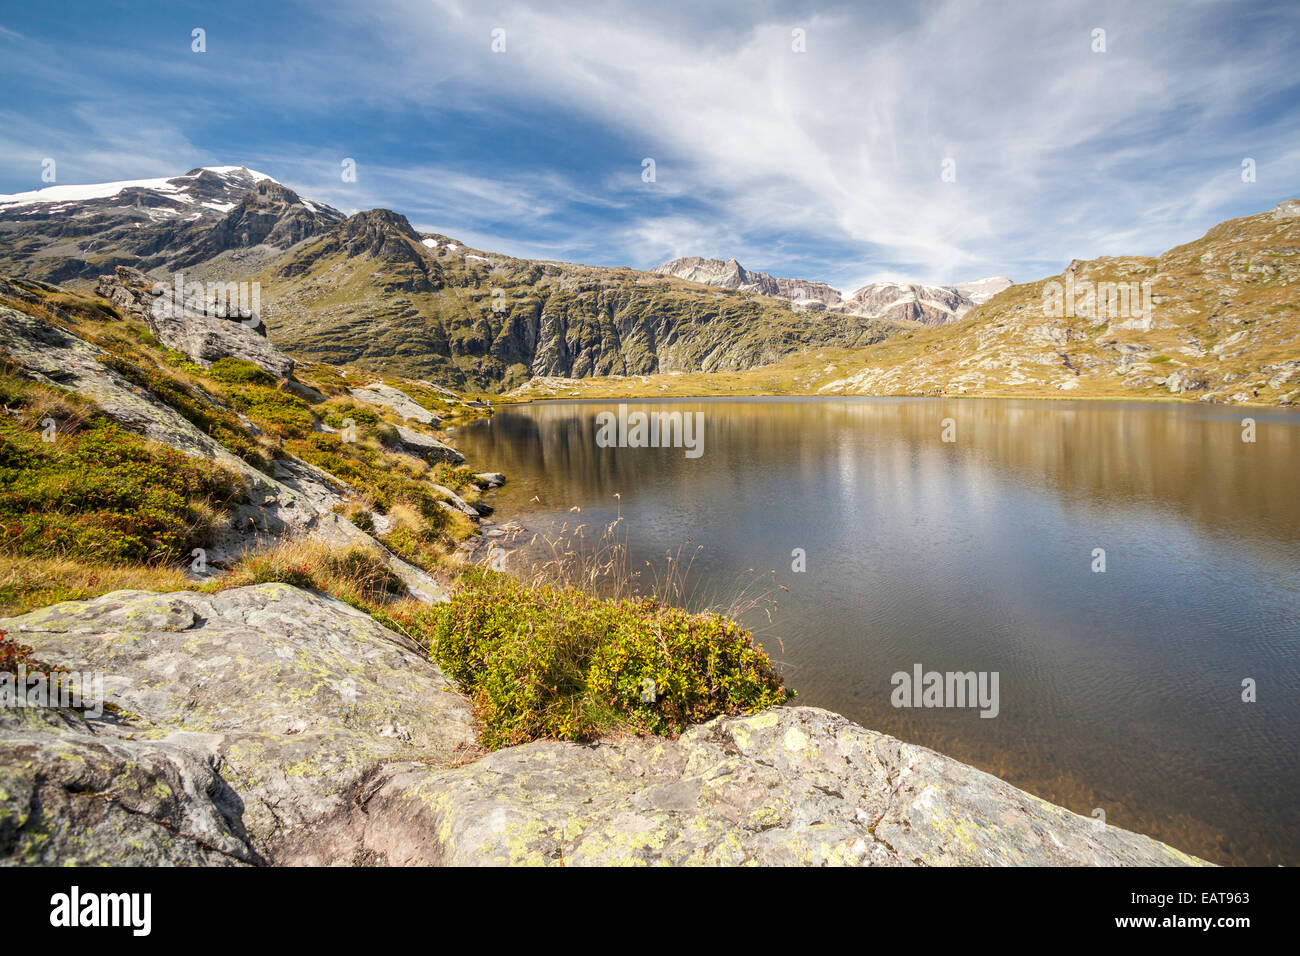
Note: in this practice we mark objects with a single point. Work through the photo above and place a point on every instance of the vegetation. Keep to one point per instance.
(75, 484)
(100, 508)
(544, 661)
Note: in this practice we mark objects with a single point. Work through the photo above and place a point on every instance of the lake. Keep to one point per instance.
(1119, 690)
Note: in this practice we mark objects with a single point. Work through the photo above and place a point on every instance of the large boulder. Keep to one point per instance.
(297, 698)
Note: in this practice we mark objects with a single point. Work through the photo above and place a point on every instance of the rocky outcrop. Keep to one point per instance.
(395, 400)
(269, 724)
(202, 336)
(257, 718)
(428, 447)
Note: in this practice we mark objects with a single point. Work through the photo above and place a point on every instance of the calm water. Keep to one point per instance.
(1119, 690)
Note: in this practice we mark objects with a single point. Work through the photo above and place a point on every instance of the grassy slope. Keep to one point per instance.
(431, 314)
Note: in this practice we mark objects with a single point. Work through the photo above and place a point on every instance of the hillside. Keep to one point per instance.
(1224, 326)
(374, 293)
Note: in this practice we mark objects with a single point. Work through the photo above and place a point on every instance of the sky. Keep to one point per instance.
(842, 142)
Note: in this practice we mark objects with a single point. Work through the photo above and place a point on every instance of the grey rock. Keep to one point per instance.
(1187, 380)
(1287, 210)
(288, 693)
(204, 338)
(788, 786)
(428, 447)
(397, 401)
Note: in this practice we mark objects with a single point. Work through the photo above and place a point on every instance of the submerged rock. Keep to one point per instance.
(271, 724)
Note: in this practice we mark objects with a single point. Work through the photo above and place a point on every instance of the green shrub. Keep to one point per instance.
(555, 662)
(105, 493)
(235, 371)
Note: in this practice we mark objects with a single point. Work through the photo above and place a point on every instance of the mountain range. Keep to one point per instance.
(369, 290)
(892, 301)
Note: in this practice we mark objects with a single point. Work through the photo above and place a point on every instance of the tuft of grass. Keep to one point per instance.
(356, 575)
(555, 662)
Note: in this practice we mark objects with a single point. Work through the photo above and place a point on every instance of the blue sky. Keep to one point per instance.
(824, 164)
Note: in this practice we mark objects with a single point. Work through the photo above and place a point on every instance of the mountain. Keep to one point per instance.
(375, 293)
(372, 291)
(77, 233)
(907, 302)
(889, 301)
(980, 291)
(1216, 319)
(732, 275)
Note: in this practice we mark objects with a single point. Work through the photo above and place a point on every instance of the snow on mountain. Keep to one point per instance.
(179, 188)
(980, 291)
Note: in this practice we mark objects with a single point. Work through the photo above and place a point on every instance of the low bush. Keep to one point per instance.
(235, 371)
(542, 661)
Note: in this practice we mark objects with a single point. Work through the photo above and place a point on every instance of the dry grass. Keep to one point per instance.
(357, 575)
(30, 583)
(598, 562)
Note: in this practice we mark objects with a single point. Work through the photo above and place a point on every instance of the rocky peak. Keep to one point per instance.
(730, 274)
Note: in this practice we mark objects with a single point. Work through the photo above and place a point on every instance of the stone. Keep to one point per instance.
(203, 338)
(427, 447)
(262, 709)
(397, 401)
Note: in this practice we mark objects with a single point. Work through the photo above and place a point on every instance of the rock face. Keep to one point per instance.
(256, 715)
(269, 724)
(204, 338)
